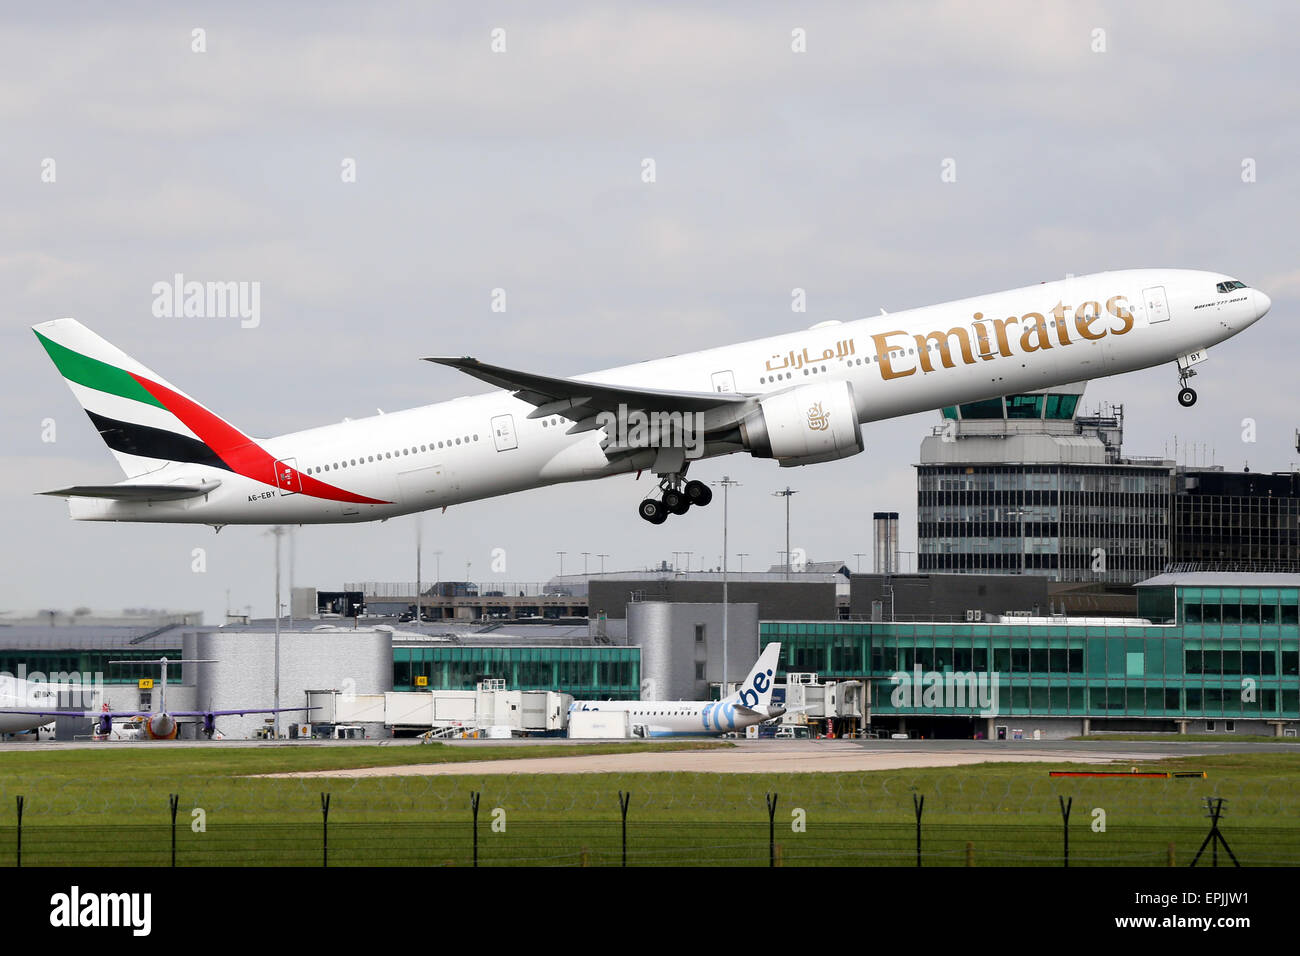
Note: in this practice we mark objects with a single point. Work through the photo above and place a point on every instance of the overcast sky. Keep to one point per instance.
(1084, 136)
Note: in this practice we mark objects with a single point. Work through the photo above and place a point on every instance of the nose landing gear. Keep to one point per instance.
(1187, 394)
(677, 499)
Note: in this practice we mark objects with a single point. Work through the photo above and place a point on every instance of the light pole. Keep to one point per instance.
(741, 554)
(859, 555)
(688, 560)
(561, 554)
(602, 563)
(584, 563)
(726, 483)
(278, 532)
(419, 534)
(786, 495)
(291, 579)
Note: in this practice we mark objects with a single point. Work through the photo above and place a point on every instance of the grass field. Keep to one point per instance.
(110, 807)
(1195, 738)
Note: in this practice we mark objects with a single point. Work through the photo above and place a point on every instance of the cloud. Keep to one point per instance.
(521, 171)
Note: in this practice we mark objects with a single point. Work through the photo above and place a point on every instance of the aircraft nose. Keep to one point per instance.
(1262, 304)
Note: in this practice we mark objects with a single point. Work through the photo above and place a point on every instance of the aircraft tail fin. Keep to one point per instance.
(756, 691)
(145, 421)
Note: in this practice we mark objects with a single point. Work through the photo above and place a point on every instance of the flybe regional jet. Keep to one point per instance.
(750, 704)
(799, 398)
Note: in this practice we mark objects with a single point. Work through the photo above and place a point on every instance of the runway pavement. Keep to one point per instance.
(803, 756)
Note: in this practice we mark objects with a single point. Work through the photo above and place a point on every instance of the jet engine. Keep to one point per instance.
(805, 425)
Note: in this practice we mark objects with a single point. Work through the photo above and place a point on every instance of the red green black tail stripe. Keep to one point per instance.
(243, 455)
(145, 441)
(95, 374)
(218, 444)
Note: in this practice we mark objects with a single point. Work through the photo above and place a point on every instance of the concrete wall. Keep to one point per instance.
(669, 651)
(1051, 728)
(945, 596)
(776, 600)
(353, 661)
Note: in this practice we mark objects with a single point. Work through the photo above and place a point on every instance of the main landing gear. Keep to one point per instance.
(677, 498)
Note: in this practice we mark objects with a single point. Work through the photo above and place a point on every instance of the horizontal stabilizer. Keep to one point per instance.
(138, 492)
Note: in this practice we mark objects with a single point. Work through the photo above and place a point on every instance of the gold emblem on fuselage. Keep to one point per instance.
(818, 420)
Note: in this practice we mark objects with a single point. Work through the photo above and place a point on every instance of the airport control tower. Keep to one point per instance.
(1027, 484)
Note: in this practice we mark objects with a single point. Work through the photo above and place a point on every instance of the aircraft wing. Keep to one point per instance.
(118, 714)
(130, 492)
(238, 712)
(89, 714)
(578, 400)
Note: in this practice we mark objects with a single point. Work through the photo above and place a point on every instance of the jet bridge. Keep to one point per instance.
(836, 706)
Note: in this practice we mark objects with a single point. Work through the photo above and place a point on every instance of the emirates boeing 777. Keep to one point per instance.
(799, 398)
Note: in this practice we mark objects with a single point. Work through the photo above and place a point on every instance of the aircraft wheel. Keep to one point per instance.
(676, 502)
(653, 511)
(1187, 397)
(698, 493)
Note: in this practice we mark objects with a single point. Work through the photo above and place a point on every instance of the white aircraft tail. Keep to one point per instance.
(756, 692)
(146, 421)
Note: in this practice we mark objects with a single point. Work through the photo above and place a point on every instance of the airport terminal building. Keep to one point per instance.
(1209, 653)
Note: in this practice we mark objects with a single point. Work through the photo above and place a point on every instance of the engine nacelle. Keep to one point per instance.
(808, 424)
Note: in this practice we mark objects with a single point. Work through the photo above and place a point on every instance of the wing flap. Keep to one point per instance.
(575, 399)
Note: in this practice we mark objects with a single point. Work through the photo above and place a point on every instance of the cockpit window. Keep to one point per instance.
(1229, 286)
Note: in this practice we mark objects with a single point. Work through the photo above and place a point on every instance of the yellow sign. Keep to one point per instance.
(422, 681)
(145, 683)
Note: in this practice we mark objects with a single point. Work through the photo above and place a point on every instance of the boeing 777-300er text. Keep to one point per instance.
(750, 704)
(800, 398)
(17, 712)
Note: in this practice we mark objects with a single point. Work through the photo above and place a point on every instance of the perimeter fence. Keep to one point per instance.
(662, 819)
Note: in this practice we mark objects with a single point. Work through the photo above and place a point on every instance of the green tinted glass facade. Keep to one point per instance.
(1229, 652)
(584, 672)
(52, 663)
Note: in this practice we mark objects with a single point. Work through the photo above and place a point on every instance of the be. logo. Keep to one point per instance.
(750, 696)
(818, 420)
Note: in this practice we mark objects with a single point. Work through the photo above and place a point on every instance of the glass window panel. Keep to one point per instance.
(989, 408)
(1135, 664)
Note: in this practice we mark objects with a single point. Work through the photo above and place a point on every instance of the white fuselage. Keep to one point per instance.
(683, 718)
(486, 445)
(23, 695)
